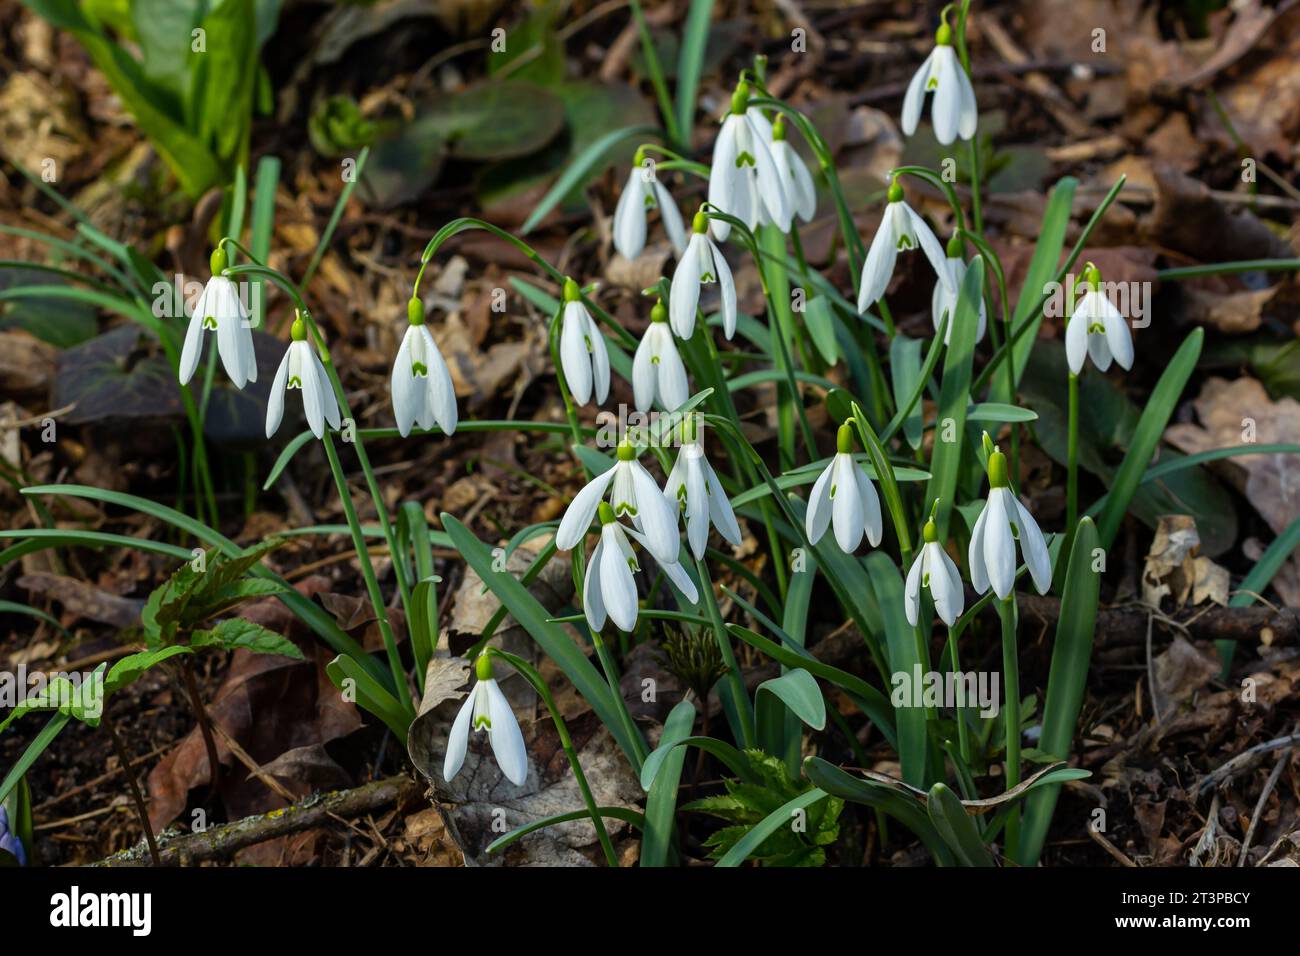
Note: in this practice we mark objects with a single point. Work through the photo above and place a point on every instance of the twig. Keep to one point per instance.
(220, 842)
(1269, 784)
(1242, 761)
(125, 761)
(205, 723)
(1110, 848)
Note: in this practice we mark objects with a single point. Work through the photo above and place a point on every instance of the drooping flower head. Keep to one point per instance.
(219, 309)
(953, 110)
(1096, 330)
(743, 180)
(632, 493)
(583, 355)
(642, 193)
(486, 708)
(844, 497)
(796, 181)
(933, 570)
(943, 301)
(609, 588)
(421, 384)
(702, 263)
(693, 486)
(901, 230)
(657, 369)
(301, 369)
(1003, 522)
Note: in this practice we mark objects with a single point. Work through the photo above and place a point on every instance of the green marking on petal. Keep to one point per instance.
(707, 277)
(681, 493)
(1097, 327)
(744, 158)
(925, 580)
(932, 83)
(419, 369)
(294, 382)
(210, 323)
(654, 360)
(905, 242)
(833, 487)
(623, 508)
(482, 721)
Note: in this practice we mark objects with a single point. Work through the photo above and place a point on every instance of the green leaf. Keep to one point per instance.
(901, 645)
(358, 686)
(819, 320)
(690, 62)
(954, 398)
(1155, 416)
(632, 817)
(1042, 270)
(903, 807)
(956, 828)
(235, 633)
(37, 747)
(117, 375)
(798, 690)
(497, 120)
(664, 777)
(780, 817)
(905, 374)
(62, 322)
(131, 668)
(1071, 655)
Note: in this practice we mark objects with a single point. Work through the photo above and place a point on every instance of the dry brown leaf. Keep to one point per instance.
(1238, 413)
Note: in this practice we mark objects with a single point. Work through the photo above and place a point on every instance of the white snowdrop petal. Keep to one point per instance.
(629, 216)
(684, 293)
(727, 287)
(818, 518)
(879, 267)
(969, 112)
(1033, 546)
(313, 402)
(275, 401)
(671, 216)
(979, 578)
(582, 509)
(946, 106)
(914, 99)
(574, 358)
(1076, 340)
(722, 176)
(871, 518)
(504, 734)
(655, 519)
(999, 546)
(458, 738)
(697, 507)
(192, 348)
(846, 505)
(912, 590)
(1119, 341)
(681, 580)
(593, 605)
(644, 378)
(720, 510)
(932, 249)
(618, 586)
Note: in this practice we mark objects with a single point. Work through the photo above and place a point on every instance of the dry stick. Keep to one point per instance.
(125, 761)
(1269, 784)
(1243, 760)
(220, 842)
(1110, 848)
(205, 724)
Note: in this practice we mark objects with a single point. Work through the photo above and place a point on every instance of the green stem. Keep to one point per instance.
(657, 76)
(963, 732)
(1011, 714)
(368, 574)
(1072, 472)
(747, 732)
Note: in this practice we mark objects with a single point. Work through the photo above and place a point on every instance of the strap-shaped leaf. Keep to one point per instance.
(956, 827)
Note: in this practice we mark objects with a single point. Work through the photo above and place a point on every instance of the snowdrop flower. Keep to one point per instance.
(421, 384)
(1096, 329)
(583, 355)
(632, 492)
(219, 309)
(302, 369)
(743, 181)
(901, 230)
(657, 369)
(1003, 521)
(642, 193)
(796, 181)
(486, 708)
(933, 569)
(9, 841)
(953, 110)
(609, 589)
(844, 496)
(944, 299)
(701, 264)
(693, 485)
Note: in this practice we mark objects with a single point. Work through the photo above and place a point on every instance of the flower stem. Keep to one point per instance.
(368, 574)
(1011, 713)
(963, 732)
(736, 683)
(1072, 458)
(129, 772)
